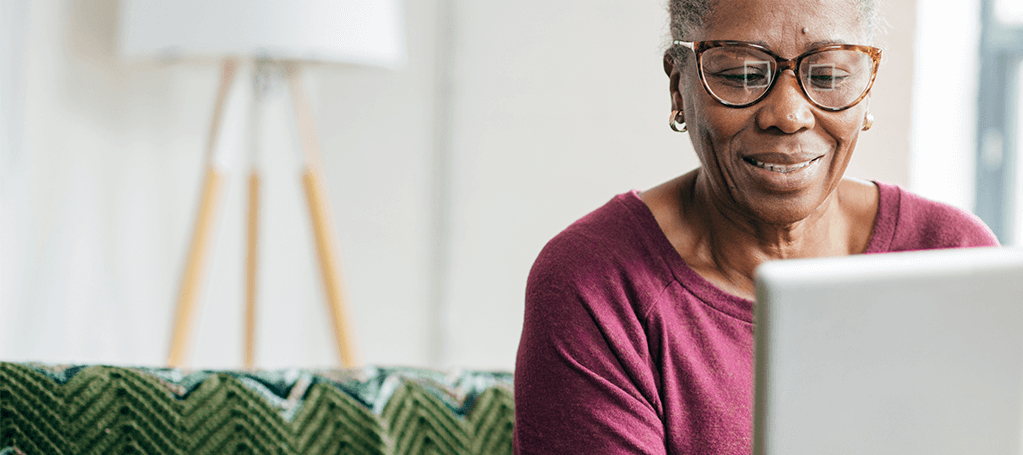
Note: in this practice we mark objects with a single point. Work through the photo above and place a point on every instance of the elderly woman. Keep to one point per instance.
(638, 332)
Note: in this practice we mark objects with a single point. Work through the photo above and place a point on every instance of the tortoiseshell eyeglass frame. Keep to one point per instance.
(699, 47)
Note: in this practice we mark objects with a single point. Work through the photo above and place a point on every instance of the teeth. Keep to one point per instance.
(780, 168)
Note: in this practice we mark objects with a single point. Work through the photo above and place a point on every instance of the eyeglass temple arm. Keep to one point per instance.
(684, 44)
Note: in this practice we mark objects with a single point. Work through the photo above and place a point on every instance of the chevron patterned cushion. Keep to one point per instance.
(50, 409)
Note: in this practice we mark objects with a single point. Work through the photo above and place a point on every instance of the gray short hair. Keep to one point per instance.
(685, 15)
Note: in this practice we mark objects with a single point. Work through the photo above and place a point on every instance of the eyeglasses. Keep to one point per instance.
(738, 74)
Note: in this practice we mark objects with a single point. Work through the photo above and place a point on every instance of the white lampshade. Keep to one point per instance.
(368, 32)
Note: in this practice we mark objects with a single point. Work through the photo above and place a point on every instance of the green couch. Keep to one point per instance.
(62, 409)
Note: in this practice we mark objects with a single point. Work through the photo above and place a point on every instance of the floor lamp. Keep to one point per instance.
(277, 37)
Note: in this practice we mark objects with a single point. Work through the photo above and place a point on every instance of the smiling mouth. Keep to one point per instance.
(781, 168)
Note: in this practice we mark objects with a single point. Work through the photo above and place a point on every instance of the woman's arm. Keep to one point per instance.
(583, 378)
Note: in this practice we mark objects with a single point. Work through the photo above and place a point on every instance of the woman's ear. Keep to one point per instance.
(674, 79)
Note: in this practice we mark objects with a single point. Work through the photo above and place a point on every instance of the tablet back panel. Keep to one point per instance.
(903, 353)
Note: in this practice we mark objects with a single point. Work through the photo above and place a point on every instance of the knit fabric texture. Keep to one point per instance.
(61, 409)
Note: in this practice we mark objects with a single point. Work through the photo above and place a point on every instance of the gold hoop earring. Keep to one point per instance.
(677, 126)
(868, 122)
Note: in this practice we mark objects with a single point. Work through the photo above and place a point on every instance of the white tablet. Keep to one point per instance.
(900, 353)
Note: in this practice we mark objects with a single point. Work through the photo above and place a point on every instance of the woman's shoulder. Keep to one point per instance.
(615, 228)
(617, 241)
(907, 221)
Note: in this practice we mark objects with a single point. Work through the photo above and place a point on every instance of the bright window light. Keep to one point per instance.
(1017, 209)
(1009, 12)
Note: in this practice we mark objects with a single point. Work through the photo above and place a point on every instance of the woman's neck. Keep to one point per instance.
(736, 245)
(726, 247)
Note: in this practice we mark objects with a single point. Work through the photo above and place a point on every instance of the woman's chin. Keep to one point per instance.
(783, 208)
(778, 194)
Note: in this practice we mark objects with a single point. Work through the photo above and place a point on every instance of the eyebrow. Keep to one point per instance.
(824, 42)
(813, 45)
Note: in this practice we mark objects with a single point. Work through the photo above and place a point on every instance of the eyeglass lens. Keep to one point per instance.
(833, 79)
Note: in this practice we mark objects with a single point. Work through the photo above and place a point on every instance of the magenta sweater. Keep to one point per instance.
(625, 349)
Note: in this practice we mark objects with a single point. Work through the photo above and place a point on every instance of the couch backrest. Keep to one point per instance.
(52, 409)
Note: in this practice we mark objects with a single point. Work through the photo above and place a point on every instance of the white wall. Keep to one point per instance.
(510, 120)
(95, 237)
(557, 108)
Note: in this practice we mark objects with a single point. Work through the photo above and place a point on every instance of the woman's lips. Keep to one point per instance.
(781, 168)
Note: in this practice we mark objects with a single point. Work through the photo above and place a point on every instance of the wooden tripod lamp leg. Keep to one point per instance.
(330, 267)
(250, 271)
(201, 235)
(323, 225)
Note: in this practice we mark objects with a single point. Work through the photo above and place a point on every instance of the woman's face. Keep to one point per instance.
(738, 147)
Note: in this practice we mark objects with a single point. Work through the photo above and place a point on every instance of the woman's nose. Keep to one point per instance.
(786, 107)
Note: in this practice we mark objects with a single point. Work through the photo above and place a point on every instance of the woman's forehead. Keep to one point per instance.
(784, 25)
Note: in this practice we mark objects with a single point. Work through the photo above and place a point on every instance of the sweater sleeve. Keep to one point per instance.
(583, 381)
(922, 224)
